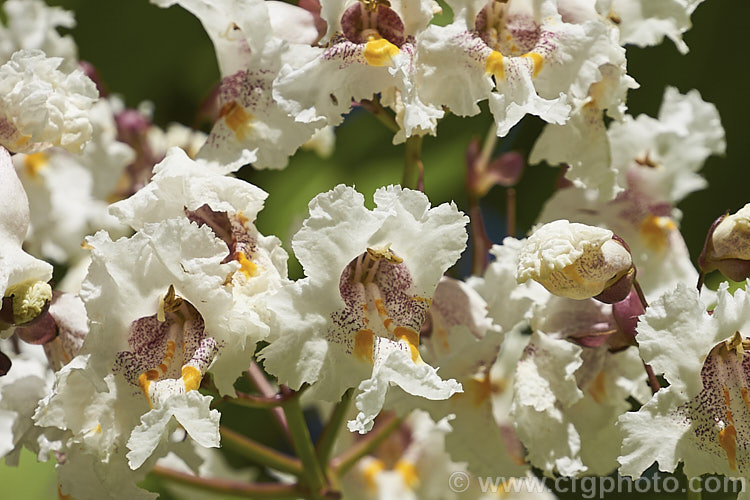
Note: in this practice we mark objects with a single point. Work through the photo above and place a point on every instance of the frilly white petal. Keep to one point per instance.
(40, 106)
(191, 411)
(16, 266)
(394, 365)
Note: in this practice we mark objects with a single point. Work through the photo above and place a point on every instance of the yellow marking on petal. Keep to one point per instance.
(495, 65)
(247, 267)
(598, 388)
(380, 52)
(364, 341)
(745, 398)
(571, 272)
(163, 368)
(728, 441)
(144, 381)
(408, 471)
(34, 163)
(655, 231)
(380, 307)
(98, 428)
(192, 377)
(387, 322)
(60, 494)
(237, 119)
(499, 386)
(442, 334)
(411, 337)
(480, 387)
(537, 60)
(23, 140)
(370, 472)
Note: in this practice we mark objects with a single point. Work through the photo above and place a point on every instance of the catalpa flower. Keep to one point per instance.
(186, 189)
(371, 49)
(252, 128)
(571, 385)
(161, 314)
(32, 24)
(23, 278)
(355, 319)
(537, 60)
(69, 193)
(702, 418)
(41, 106)
(670, 149)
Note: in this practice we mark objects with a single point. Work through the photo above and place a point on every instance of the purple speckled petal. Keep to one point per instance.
(719, 416)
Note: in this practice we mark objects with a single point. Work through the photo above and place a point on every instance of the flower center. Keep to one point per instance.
(169, 351)
(508, 33)
(374, 24)
(376, 289)
(232, 230)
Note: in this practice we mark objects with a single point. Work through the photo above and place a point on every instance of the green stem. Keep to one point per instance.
(234, 488)
(327, 439)
(261, 384)
(260, 453)
(694, 495)
(303, 446)
(342, 463)
(412, 162)
(379, 112)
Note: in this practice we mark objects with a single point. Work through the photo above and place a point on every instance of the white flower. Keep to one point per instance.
(644, 22)
(190, 190)
(41, 106)
(355, 319)
(252, 128)
(573, 260)
(21, 275)
(371, 50)
(702, 418)
(568, 397)
(538, 61)
(31, 24)
(160, 315)
(69, 193)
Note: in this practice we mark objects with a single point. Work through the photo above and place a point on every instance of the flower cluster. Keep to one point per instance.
(175, 319)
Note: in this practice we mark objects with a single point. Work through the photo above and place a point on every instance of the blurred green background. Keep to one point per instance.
(163, 55)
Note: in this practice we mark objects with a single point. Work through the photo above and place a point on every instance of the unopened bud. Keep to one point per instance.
(727, 246)
(577, 261)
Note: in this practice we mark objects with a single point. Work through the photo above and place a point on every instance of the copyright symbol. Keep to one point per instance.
(459, 482)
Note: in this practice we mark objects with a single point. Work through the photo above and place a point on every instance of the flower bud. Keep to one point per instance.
(577, 261)
(25, 301)
(727, 246)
